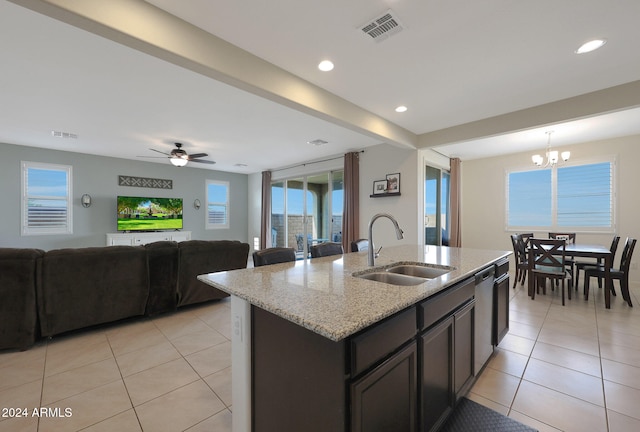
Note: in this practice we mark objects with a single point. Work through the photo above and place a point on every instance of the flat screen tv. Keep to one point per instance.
(149, 214)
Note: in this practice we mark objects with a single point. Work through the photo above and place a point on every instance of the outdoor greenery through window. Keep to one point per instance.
(580, 197)
(217, 204)
(46, 199)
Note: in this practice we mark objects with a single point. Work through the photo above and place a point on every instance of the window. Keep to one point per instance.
(46, 199)
(217, 204)
(580, 197)
(307, 207)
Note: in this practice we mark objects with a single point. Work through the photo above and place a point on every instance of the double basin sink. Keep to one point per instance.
(405, 274)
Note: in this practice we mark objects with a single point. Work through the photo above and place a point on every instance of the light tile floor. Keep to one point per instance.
(167, 373)
(567, 368)
(571, 368)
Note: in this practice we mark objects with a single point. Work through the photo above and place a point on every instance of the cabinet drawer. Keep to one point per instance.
(443, 304)
(375, 344)
(502, 267)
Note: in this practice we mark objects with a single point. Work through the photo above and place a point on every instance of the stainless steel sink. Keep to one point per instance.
(392, 278)
(418, 271)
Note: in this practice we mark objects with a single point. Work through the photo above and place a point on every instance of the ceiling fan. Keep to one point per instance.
(179, 157)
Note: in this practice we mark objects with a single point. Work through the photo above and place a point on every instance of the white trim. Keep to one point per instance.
(554, 217)
(26, 230)
(227, 205)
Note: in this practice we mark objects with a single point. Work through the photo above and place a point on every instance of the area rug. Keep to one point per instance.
(470, 416)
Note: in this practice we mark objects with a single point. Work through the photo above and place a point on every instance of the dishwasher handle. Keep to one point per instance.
(484, 275)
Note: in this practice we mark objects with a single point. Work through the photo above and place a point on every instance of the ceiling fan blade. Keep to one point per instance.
(152, 157)
(202, 161)
(198, 155)
(158, 151)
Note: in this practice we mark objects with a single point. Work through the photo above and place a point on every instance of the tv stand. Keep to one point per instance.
(142, 238)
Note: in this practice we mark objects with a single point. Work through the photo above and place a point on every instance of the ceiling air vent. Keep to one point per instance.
(318, 142)
(382, 27)
(58, 134)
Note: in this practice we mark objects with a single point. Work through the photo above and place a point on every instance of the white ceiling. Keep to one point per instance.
(455, 62)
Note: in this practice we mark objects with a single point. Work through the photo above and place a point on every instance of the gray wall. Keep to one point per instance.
(98, 176)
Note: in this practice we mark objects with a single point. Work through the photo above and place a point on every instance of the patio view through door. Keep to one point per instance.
(437, 204)
(307, 210)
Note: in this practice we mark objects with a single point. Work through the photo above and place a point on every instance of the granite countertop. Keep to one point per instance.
(322, 295)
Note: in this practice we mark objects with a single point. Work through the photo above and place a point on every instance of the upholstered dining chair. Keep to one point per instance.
(326, 249)
(547, 261)
(520, 256)
(580, 265)
(359, 245)
(275, 255)
(621, 273)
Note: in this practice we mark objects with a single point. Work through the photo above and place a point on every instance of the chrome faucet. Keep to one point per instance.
(399, 234)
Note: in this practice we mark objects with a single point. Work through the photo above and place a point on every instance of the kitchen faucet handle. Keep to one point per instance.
(377, 254)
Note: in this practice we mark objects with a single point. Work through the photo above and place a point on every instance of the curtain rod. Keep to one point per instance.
(313, 162)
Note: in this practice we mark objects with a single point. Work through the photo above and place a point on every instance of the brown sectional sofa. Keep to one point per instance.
(48, 293)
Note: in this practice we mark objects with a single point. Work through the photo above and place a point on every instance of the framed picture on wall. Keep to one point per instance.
(379, 187)
(393, 183)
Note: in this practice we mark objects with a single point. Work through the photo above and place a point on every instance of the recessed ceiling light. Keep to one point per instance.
(241, 165)
(401, 109)
(325, 65)
(591, 46)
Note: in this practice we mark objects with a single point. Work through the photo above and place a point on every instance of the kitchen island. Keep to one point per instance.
(315, 347)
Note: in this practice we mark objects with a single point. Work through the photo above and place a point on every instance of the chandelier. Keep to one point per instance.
(552, 156)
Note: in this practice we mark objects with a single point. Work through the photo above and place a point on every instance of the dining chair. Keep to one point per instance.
(520, 256)
(326, 249)
(580, 265)
(275, 255)
(359, 245)
(547, 261)
(621, 273)
(570, 238)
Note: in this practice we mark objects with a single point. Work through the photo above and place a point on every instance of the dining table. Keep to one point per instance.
(598, 252)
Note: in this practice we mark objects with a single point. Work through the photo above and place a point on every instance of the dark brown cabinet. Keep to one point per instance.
(385, 399)
(437, 374)
(446, 352)
(500, 323)
(404, 373)
(464, 325)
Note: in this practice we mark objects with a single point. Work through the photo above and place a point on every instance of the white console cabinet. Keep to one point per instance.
(142, 238)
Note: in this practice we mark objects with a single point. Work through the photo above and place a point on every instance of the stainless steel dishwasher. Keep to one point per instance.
(484, 317)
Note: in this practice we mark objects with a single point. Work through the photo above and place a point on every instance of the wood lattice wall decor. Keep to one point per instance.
(144, 182)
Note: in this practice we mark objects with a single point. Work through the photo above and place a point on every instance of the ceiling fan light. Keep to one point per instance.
(177, 161)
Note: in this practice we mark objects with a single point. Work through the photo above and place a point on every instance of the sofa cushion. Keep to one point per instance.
(88, 286)
(163, 276)
(207, 256)
(18, 312)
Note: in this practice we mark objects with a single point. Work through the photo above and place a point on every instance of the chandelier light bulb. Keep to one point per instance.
(552, 155)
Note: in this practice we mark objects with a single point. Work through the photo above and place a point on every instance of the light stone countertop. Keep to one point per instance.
(322, 295)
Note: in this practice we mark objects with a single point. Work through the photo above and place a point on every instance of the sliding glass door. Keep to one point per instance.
(437, 204)
(307, 210)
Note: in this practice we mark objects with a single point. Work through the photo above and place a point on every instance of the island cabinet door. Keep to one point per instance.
(385, 399)
(500, 309)
(436, 371)
(464, 330)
